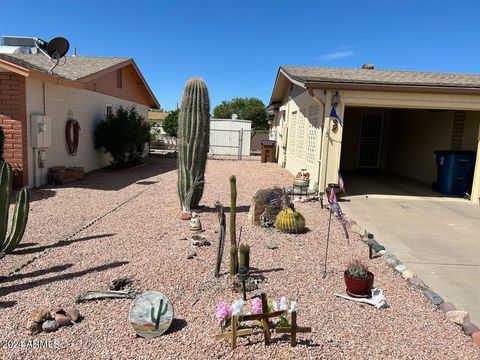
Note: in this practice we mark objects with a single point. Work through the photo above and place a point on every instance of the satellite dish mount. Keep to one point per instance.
(55, 49)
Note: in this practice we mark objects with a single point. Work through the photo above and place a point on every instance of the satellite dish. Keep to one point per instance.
(57, 47)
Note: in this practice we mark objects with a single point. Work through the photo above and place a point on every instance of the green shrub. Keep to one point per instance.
(123, 135)
(170, 124)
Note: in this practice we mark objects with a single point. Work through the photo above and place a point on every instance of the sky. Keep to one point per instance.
(238, 46)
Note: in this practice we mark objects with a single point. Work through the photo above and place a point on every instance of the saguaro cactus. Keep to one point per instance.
(233, 233)
(20, 214)
(193, 142)
(245, 256)
(160, 312)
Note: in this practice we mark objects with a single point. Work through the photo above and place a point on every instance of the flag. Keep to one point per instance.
(341, 183)
(336, 209)
(332, 198)
(333, 114)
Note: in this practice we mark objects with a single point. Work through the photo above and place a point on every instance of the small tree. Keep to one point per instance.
(246, 108)
(123, 134)
(170, 124)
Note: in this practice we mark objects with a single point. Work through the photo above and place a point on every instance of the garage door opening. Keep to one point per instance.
(391, 151)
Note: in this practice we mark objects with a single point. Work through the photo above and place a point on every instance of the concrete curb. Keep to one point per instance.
(458, 317)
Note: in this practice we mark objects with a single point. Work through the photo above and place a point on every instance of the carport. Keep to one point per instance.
(390, 151)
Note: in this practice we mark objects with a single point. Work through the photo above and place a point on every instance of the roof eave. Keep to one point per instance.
(282, 72)
(391, 87)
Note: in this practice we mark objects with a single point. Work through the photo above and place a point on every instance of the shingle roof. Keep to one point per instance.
(74, 68)
(382, 77)
(157, 115)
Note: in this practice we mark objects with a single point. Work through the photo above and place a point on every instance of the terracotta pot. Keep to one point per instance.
(359, 287)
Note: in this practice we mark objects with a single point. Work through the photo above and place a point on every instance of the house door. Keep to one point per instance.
(370, 140)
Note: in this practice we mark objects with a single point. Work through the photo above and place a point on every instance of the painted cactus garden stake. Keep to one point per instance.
(20, 214)
(193, 142)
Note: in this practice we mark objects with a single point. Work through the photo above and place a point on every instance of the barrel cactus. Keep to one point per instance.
(290, 220)
(193, 142)
(20, 214)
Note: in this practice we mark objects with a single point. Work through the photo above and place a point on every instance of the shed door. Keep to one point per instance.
(370, 140)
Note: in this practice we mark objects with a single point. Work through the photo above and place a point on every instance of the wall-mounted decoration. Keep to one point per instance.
(72, 136)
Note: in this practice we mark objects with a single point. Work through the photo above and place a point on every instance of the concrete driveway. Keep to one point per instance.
(438, 238)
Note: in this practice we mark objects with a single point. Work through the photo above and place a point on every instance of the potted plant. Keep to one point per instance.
(358, 279)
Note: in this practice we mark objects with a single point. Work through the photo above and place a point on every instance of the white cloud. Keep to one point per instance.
(337, 55)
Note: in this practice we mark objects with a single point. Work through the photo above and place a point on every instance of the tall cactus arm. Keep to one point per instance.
(5, 186)
(19, 222)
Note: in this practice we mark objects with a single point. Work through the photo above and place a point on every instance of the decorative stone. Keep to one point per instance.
(151, 314)
(40, 315)
(433, 297)
(382, 252)
(356, 229)
(265, 200)
(50, 325)
(407, 275)
(418, 283)
(34, 328)
(272, 244)
(63, 320)
(458, 317)
(191, 254)
(186, 216)
(391, 260)
(476, 338)
(446, 307)
(195, 224)
(469, 328)
(400, 268)
(199, 240)
(73, 314)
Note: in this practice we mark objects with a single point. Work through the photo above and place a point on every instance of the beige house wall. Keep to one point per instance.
(87, 107)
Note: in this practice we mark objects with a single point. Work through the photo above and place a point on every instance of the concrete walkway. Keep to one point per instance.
(438, 238)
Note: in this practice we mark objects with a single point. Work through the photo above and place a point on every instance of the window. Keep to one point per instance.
(109, 110)
(120, 78)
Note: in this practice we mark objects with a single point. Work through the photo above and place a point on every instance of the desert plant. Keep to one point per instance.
(244, 256)
(160, 312)
(290, 220)
(170, 124)
(123, 134)
(193, 141)
(20, 213)
(233, 219)
(357, 269)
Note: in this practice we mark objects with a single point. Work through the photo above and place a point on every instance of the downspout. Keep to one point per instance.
(320, 101)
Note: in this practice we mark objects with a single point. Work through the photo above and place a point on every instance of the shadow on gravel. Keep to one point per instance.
(259, 271)
(28, 250)
(7, 304)
(113, 180)
(68, 276)
(35, 273)
(208, 209)
(177, 325)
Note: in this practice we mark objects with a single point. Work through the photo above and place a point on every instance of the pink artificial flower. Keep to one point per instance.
(224, 311)
(257, 305)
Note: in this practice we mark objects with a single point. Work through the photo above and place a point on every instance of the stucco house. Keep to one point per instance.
(80, 88)
(393, 121)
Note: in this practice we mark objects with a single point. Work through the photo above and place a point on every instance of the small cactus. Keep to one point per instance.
(160, 313)
(245, 256)
(20, 213)
(290, 221)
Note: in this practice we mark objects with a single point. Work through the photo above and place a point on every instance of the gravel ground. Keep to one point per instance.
(145, 239)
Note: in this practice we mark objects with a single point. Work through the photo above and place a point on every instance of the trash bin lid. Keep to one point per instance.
(268, 142)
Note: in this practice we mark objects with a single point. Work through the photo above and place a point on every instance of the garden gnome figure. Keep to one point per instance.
(195, 224)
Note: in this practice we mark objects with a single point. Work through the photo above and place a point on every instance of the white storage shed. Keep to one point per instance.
(230, 137)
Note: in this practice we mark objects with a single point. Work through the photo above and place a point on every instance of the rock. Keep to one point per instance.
(265, 200)
(446, 307)
(50, 326)
(433, 297)
(191, 254)
(391, 260)
(34, 327)
(199, 240)
(186, 216)
(40, 315)
(382, 252)
(73, 314)
(458, 317)
(401, 268)
(469, 328)
(63, 320)
(407, 275)
(356, 229)
(272, 244)
(476, 338)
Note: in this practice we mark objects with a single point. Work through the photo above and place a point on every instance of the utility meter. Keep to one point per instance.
(41, 131)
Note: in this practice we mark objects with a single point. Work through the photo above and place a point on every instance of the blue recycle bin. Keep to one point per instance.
(455, 171)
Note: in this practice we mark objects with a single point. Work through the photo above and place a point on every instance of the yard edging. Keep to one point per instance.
(452, 314)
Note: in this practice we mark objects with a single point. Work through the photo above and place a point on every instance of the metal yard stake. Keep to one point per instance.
(328, 239)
